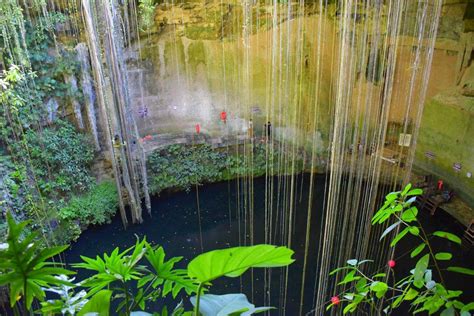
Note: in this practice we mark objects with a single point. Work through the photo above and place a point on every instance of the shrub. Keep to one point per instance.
(95, 207)
(180, 167)
(60, 156)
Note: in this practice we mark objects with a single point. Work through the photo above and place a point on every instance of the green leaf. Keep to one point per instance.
(339, 269)
(467, 307)
(443, 256)
(417, 250)
(400, 236)
(379, 288)
(350, 308)
(398, 300)
(415, 192)
(420, 269)
(233, 262)
(406, 189)
(411, 294)
(99, 303)
(448, 236)
(410, 214)
(448, 312)
(379, 275)
(361, 285)
(414, 230)
(349, 278)
(461, 270)
(174, 280)
(228, 304)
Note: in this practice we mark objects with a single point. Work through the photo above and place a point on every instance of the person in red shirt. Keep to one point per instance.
(224, 117)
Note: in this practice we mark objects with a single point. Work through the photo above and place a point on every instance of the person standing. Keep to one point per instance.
(250, 129)
(268, 130)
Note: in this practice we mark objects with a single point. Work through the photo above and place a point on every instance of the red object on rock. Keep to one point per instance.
(224, 116)
(440, 185)
(148, 137)
(391, 263)
(198, 128)
(335, 300)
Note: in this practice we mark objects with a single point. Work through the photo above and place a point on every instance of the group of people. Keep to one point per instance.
(267, 128)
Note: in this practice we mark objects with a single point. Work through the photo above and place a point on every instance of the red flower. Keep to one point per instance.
(335, 300)
(391, 263)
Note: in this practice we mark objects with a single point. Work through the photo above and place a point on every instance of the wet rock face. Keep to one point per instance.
(196, 64)
(192, 65)
(212, 20)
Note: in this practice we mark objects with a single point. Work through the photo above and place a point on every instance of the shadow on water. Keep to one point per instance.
(174, 225)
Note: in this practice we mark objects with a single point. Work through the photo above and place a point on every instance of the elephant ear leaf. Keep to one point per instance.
(228, 304)
(233, 262)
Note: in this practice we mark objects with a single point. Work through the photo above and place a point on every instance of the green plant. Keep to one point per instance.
(179, 166)
(233, 262)
(146, 13)
(68, 303)
(60, 157)
(97, 206)
(419, 288)
(131, 277)
(24, 267)
(120, 270)
(227, 304)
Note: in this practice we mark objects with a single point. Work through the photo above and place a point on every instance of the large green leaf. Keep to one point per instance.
(232, 262)
(228, 304)
(99, 304)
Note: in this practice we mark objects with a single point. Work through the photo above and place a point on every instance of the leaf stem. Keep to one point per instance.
(198, 298)
(425, 240)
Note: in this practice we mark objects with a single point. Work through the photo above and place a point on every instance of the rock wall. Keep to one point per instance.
(445, 145)
(196, 62)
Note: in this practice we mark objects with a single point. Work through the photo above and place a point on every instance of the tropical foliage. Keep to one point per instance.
(97, 206)
(420, 289)
(131, 278)
(181, 167)
(48, 159)
(60, 157)
(146, 13)
(25, 267)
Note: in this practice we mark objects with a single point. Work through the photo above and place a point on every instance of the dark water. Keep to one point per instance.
(174, 225)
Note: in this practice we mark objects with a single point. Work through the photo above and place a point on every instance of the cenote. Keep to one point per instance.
(174, 224)
(236, 157)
